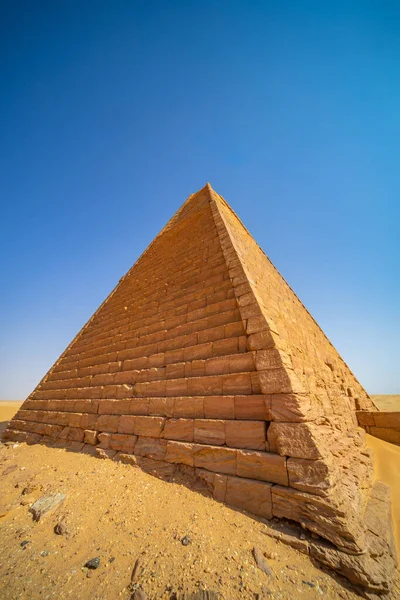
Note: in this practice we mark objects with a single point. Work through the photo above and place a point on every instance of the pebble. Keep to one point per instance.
(45, 553)
(61, 528)
(93, 563)
(185, 541)
(24, 543)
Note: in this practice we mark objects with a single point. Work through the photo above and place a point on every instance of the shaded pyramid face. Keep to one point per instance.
(204, 360)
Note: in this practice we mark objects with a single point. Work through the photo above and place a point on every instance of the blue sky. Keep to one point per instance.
(112, 113)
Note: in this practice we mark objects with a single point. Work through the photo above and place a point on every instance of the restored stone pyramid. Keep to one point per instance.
(203, 359)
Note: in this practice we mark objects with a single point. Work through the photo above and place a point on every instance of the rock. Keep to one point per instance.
(139, 595)
(45, 505)
(135, 569)
(289, 540)
(201, 595)
(45, 553)
(271, 555)
(25, 543)
(93, 563)
(101, 453)
(261, 562)
(61, 528)
(185, 541)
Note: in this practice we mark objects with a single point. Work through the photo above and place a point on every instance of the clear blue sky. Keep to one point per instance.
(112, 113)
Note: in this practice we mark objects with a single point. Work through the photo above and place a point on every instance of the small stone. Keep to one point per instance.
(111, 560)
(139, 595)
(303, 537)
(45, 505)
(310, 583)
(45, 553)
(93, 563)
(261, 562)
(185, 541)
(61, 528)
(24, 543)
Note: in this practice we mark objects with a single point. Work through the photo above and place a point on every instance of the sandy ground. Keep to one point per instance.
(120, 514)
(387, 402)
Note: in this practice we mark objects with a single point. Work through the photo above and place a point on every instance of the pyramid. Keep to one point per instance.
(203, 360)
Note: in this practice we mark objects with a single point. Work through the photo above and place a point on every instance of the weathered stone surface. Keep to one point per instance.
(250, 495)
(299, 440)
(179, 429)
(209, 431)
(313, 476)
(45, 504)
(90, 437)
(123, 442)
(219, 460)
(263, 466)
(151, 448)
(245, 434)
(254, 407)
(179, 453)
(322, 516)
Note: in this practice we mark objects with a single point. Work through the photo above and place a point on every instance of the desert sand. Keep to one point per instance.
(183, 540)
(387, 402)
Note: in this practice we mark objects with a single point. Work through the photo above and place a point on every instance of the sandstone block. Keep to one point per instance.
(241, 363)
(260, 340)
(73, 434)
(387, 419)
(163, 407)
(299, 440)
(318, 515)
(219, 460)
(205, 386)
(178, 452)
(176, 387)
(175, 371)
(262, 466)
(252, 496)
(108, 423)
(388, 435)
(114, 407)
(209, 431)
(237, 384)
(122, 442)
(313, 476)
(149, 426)
(90, 437)
(104, 440)
(219, 407)
(190, 407)
(254, 406)
(179, 429)
(151, 448)
(294, 407)
(127, 424)
(280, 381)
(225, 346)
(219, 487)
(217, 366)
(139, 406)
(245, 434)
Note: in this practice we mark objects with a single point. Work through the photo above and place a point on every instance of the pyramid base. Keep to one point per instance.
(372, 572)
